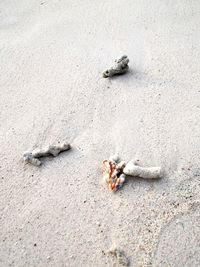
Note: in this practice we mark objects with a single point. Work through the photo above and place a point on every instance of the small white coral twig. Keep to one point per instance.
(32, 157)
(120, 67)
(132, 169)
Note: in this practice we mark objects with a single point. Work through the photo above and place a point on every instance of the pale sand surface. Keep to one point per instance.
(52, 54)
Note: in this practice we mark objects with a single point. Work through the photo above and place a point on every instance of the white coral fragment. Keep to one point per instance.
(32, 157)
(120, 67)
(132, 169)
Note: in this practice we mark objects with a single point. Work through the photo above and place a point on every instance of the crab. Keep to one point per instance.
(113, 174)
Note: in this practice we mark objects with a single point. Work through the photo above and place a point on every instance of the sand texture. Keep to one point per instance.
(52, 55)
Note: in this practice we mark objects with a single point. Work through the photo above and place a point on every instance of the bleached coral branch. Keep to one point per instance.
(32, 157)
(120, 67)
(132, 169)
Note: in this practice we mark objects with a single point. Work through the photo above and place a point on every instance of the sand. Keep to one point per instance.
(52, 56)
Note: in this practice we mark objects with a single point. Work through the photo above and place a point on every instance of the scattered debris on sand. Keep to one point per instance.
(120, 67)
(32, 157)
(115, 171)
(119, 256)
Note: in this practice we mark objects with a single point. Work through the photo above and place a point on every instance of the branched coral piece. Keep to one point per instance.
(120, 67)
(132, 169)
(32, 157)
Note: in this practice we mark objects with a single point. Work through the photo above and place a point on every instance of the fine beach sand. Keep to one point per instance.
(52, 55)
